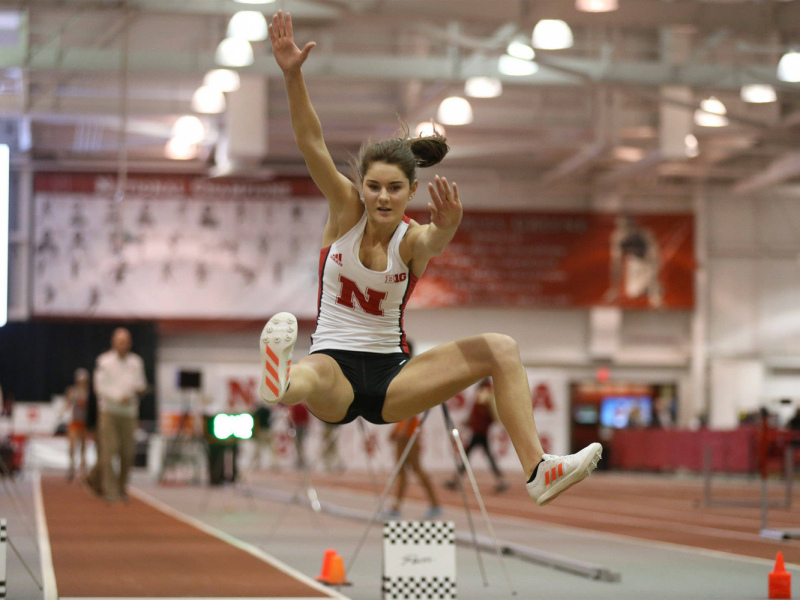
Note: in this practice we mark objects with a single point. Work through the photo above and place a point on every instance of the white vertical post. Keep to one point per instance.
(4, 165)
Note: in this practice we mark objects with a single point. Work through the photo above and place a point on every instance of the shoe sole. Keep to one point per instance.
(277, 342)
(588, 464)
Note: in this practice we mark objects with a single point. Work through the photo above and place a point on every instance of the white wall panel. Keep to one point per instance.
(731, 225)
(733, 298)
(779, 307)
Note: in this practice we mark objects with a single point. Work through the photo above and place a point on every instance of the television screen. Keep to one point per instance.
(626, 411)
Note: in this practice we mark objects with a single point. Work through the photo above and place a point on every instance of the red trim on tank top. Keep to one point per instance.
(412, 282)
(323, 257)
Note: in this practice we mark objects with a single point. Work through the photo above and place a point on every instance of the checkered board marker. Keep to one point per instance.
(419, 560)
(3, 542)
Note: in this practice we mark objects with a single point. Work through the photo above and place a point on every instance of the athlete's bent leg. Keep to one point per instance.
(439, 374)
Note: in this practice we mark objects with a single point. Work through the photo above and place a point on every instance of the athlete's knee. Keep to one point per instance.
(502, 347)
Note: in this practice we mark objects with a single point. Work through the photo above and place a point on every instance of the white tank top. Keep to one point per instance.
(360, 309)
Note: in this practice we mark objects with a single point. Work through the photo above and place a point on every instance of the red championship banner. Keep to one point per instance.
(563, 260)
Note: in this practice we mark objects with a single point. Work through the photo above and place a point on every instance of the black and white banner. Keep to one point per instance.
(176, 247)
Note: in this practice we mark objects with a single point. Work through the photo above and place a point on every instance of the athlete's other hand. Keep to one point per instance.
(445, 208)
(288, 56)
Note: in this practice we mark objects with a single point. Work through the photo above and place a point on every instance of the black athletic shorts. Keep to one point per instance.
(369, 374)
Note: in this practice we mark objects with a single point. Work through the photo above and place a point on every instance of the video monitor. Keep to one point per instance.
(626, 411)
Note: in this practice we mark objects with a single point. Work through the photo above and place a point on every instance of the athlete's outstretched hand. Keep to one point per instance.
(445, 209)
(288, 56)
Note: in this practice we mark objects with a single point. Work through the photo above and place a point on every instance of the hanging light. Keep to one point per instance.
(691, 147)
(189, 128)
(455, 111)
(711, 113)
(789, 67)
(178, 149)
(516, 67)
(234, 52)
(426, 128)
(758, 93)
(254, 1)
(249, 25)
(551, 34)
(224, 80)
(483, 87)
(597, 5)
(208, 100)
(519, 48)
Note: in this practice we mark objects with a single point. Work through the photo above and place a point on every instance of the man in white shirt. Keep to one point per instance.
(118, 380)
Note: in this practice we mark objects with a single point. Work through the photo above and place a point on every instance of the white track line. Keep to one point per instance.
(249, 548)
(45, 555)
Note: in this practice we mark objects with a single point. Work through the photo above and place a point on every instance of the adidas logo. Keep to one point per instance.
(337, 258)
(553, 474)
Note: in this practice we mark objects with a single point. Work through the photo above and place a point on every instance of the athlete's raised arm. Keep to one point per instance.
(430, 240)
(341, 194)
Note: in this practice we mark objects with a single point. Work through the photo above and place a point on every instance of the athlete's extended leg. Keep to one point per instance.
(439, 374)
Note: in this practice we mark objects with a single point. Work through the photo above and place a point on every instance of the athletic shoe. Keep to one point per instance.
(559, 473)
(277, 342)
(433, 512)
(389, 515)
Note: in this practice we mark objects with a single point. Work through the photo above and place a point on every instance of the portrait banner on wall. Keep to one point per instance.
(569, 260)
(176, 247)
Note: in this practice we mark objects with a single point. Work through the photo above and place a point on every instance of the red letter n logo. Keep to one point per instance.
(369, 302)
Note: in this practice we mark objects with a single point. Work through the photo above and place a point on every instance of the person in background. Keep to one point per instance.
(264, 437)
(481, 417)
(78, 404)
(298, 414)
(331, 460)
(401, 434)
(119, 379)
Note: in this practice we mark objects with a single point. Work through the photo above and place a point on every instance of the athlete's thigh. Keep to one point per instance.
(435, 376)
(332, 393)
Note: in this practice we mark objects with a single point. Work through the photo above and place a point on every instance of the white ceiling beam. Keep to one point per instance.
(576, 164)
(631, 170)
(783, 169)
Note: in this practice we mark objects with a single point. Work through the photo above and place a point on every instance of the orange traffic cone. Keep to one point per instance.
(327, 560)
(780, 580)
(337, 576)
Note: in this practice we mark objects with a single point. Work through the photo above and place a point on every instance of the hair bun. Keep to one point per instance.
(429, 150)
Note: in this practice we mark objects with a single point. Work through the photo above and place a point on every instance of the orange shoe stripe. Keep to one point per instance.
(271, 371)
(547, 477)
(272, 355)
(553, 474)
(272, 387)
(560, 469)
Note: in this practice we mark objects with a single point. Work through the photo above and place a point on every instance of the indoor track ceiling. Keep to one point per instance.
(77, 73)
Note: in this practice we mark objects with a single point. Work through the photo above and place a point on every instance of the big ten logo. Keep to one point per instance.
(241, 391)
(542, 398)
(458, 401)
(499, 440)
(371, 442)
(396, 278)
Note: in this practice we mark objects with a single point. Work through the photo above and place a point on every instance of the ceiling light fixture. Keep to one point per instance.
(551, 34)
(249, 25)
(208, 100)
(426, 128)
(519, 48)
(691, 147)
(189, 128)
(516, 67)
(455, 111)
(483, 87)
(224, 80)
(254, 1)
(789, 67)
(711, 113)
(758, 93)
(178, 149)
(234, 52)
(597, 5)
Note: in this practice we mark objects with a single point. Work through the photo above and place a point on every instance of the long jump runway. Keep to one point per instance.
(144, 549)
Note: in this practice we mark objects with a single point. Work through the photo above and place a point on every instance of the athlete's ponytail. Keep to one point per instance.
(406, 152)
